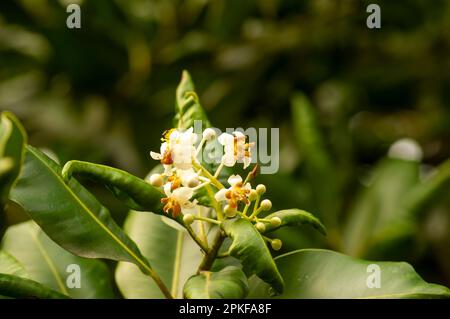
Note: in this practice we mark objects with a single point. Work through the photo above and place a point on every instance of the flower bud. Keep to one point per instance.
(229, 211)
(156, 180)
(188, 219)
(261, 189)
(276, 244)
(275, 221)
(253, 195)
(260, 227)
(266, 204)
(209, 134)
(192, 181)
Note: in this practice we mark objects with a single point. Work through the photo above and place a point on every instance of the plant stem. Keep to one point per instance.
(196, 239)
(203, 235)
(206, 219)
(160, 284)
(213, 180)
(209, 258)
(219, 169)
(255, 207)
(176, 268)
(215, 203)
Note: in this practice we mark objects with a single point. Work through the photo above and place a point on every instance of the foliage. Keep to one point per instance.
(219, 248)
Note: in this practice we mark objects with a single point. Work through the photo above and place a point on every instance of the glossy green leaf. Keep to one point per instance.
(294, 217)
(228, 283)
(11, 266)
(321, 173)
(188, 108)
(47, 263)
(317, 273)
(70, 215)
(12, 141)
(18, 287)
(133, 191)
(172, 253)
(379, 206)
(250, 248)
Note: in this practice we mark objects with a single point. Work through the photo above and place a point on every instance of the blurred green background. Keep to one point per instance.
(105, 92)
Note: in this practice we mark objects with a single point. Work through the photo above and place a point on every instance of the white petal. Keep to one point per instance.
(167, 189)
(187, 176)
(168, 170)
(163, 148)
(189, 208)
(155, 156)
(247, 186)
(234, 179)
(174, 136)
(220, 195)
(182, 194)
(228, 160)
(239, 135)
(247, 161)
(226, 139)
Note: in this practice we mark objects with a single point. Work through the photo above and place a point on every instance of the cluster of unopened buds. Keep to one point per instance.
(184, 176)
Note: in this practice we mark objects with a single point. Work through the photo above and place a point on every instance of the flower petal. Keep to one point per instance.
(220, 195)
(226, 139)
(234, 179)
(155, 156)
(182, 194)
(228, 159)
(247, 161)
(168, 189)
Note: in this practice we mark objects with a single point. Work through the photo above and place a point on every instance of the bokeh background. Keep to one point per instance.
(105, 92)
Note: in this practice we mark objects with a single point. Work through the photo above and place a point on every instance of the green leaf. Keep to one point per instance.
(400, 232)
(379, 206)
(294, 217)
(424, 193)
(17, 287)
(250, 248)
(12, 141)
(47, 263)
(70, 215)
(188, 108)
(11, 266)
(317, 273)
(172, 253)
(228, 283)
(319, 168)
(133, 191)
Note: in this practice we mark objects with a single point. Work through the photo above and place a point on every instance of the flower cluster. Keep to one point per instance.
(184, 176)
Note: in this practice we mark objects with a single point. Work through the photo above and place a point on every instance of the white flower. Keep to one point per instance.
(236, 193)
(164, 154)
(209, 134)
(178, 149)
(235, 149)
(178, 200)
(188, 177)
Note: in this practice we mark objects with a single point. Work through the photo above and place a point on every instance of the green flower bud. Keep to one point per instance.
(253, 195)
(275, 221)
(229, 211)
(260, 227)
(266, 204)
(156, 180)
(188, 219)
(261, 189)
(276, 244)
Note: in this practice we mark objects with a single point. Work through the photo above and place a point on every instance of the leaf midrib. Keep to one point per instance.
(50, 264)
(92, 215)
